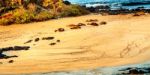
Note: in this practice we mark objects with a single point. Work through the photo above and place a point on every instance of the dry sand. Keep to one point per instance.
(123, 40)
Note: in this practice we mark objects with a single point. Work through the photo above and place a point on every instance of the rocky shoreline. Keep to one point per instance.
(107, 10)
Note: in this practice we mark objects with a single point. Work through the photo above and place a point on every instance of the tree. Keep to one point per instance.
(56, 5)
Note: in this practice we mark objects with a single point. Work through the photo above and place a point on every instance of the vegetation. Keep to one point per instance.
(25, 11)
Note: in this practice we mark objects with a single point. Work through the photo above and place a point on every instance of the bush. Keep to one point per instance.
(73, 10)
(31, 13)
(22, 15)
(44, 15)
(5, 21)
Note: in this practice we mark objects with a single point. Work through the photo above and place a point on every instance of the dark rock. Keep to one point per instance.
(58, 40)
(66, 2)
(10, 61)
(52, 43)
(7, 49)
(136, 71)
(77, 27)
(14, 48)
(21, 47)
(29, 41)
(61, 29)
(3, 56)
(37, 39)
(81, 24)
(103, 23)
(48, 38)
(93, 24)
(56, 31)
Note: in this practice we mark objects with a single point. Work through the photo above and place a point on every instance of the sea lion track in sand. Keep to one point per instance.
(131, 47)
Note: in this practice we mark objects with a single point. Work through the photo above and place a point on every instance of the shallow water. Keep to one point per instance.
(99, 71)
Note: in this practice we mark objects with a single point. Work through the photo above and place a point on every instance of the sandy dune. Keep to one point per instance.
(124, 40)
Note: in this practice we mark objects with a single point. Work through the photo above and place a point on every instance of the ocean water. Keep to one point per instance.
(114, 4)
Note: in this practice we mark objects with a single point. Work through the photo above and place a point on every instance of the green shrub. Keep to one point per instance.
(22, 15)
(73, 10)
(43, 15)
(31, 13)
(5, 21)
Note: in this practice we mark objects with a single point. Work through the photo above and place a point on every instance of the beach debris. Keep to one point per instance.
(10, 61)
(15, 48)
(58, 40)
(29, 41)
(103, 23)
(92, 20)
(93, 24)
(81, 24)
(52, 44)
(37, 39)
(48, 38)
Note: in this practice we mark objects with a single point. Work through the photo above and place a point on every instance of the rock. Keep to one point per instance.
(67, 2)
(56, 31)
(77, 27)
(93, 24)
(10, 61)
(48, 38)
(81, 24)
(73, 26)
(52, 43)
(58, 40)
(29, 41)
(37, 39)
(6, 49)
(61, 30)
(1, 63)
(103, 23)
(21, 47)
(136, 71)
(15, 48)
(2, 56)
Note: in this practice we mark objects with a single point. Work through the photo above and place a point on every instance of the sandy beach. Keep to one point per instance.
(125, 39)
